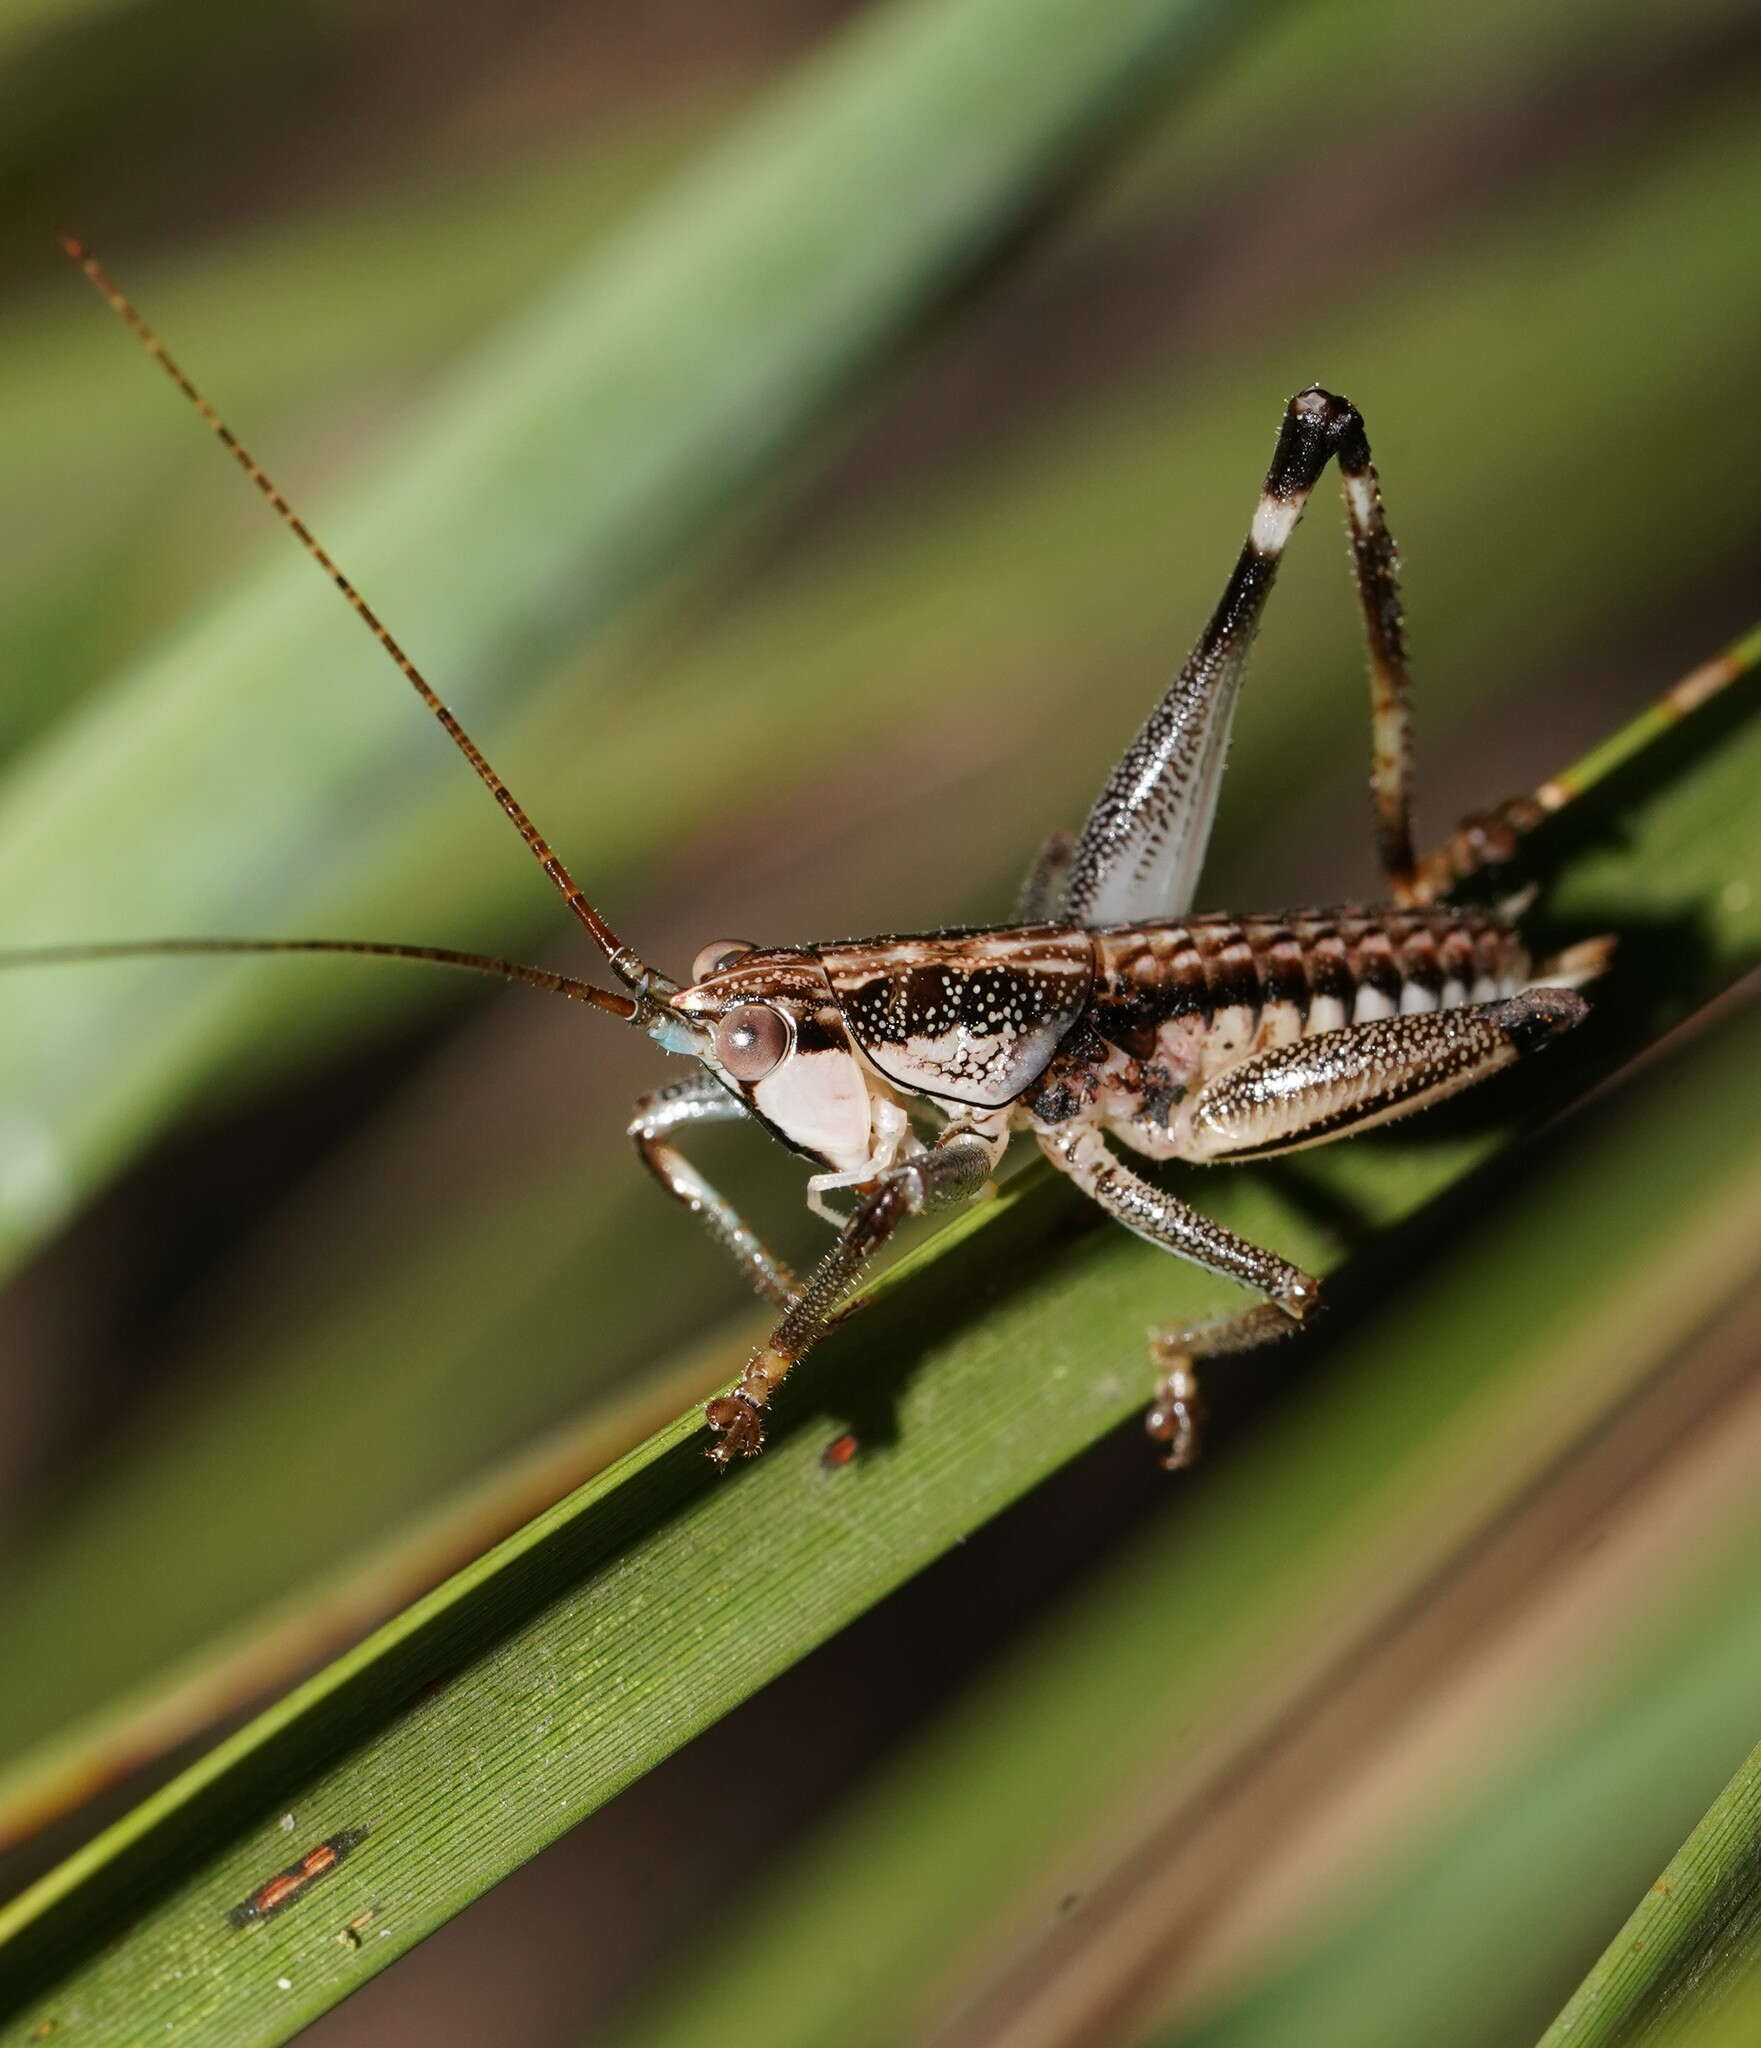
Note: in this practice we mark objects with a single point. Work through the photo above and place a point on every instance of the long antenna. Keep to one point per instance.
(437, 956)
(626, 964)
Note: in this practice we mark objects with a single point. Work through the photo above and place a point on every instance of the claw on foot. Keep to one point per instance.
(742, 1428)
(738, 1415)
(1177, 1416)
(1301, 1298)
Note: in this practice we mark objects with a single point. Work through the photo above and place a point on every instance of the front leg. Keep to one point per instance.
(701, 1099)
(952, 1170)
(892, 1135)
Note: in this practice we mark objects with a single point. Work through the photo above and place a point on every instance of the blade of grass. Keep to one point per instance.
(1693, 1940)
(282, 1640)
(501, 1709)
(569, 461)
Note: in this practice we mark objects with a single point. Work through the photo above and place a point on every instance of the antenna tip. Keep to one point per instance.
(73, 245)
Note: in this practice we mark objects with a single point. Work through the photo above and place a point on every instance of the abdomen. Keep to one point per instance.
(1272, 979)
(1175, 1004)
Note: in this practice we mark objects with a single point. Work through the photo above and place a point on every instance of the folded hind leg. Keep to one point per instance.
(1298, 1094)
(1337, 1082)
(1319, 1088)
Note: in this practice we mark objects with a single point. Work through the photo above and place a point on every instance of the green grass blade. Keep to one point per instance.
(564, 466)
(515, 1699)
(1693, 1940)
(279, 1641)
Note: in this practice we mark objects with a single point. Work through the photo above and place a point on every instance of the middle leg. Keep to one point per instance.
(1163, 1219)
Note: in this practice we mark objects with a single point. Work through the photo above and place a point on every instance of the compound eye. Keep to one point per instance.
(713, 958)
(752, 1040)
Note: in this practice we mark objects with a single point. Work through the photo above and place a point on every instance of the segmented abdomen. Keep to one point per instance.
(1237, 984)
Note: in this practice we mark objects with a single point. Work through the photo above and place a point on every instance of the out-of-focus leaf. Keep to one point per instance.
(320, 334)
(1467, 1940)
(28, 20)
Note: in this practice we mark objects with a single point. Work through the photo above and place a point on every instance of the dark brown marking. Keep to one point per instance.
(1235, 977)
(1375, 967)
(1196, 970)
(968, 1017)
(1329, 971)
(1283, 971)
(1420, 964)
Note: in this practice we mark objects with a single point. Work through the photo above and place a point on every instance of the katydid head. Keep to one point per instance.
(767, 1025)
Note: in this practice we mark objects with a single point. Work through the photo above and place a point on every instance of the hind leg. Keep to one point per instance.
(1342, 1081)
(1320, 1088)
(1278, 1101)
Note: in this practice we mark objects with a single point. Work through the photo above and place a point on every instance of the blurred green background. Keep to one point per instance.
(365, 1235)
